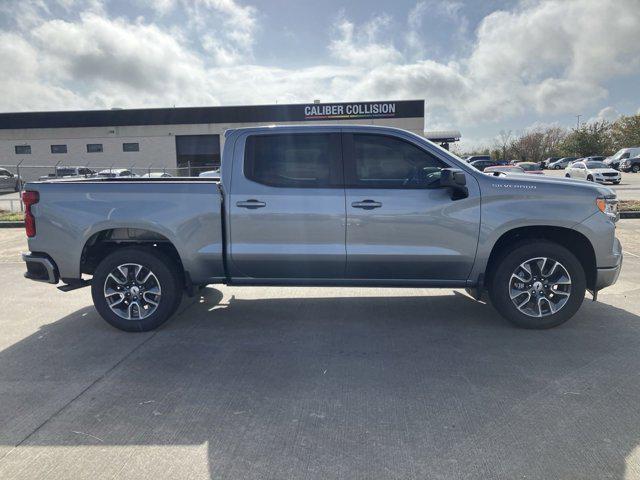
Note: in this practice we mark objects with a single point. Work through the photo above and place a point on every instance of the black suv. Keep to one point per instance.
(630, 165)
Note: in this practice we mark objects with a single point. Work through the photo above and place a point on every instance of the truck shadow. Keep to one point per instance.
(404, 386)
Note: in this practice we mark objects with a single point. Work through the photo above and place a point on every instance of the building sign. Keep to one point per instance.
(259, 114)
(337, 111)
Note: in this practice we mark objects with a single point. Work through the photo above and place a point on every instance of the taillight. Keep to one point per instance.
(29, 198)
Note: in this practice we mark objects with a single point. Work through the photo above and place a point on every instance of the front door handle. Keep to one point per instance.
(251, 204)
(366, 204)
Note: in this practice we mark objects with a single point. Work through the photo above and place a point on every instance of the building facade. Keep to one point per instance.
(178, 140)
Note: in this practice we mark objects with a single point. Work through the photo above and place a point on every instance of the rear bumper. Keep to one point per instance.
(41, 268)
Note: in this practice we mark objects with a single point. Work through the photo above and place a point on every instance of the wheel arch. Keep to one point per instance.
(572, 240)
(103, 242)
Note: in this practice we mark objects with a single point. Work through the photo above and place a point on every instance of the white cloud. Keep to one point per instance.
(608, 114)
(361, 45)
(543, 57)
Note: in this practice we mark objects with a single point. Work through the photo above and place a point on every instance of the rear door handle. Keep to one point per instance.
(366, 204)
(251, 204)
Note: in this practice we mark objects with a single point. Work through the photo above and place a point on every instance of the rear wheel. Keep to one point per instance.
(635, 168)
(539, 284)
(590, 178)
(136, 289)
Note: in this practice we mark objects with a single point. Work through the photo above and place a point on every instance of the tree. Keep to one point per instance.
(588, 139)
(625, 132)
(505, 137)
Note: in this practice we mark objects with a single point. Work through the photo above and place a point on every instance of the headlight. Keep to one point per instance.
(608, 205)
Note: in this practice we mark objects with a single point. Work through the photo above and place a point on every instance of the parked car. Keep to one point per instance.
(415, 215)
(69, 172)
(531, 168)
(9, 182)
(630, 164)
(593, 172)
(211, 173)
(116, 173)
(506, 169)
(482, 164)
(561, 163)
(156, 175)
(473, 158)
(545, 163)
(622, 154)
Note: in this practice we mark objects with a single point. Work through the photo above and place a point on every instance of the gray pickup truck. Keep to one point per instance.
(326, 205)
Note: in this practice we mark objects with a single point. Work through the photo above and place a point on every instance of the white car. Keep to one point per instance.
(156, 175)
(211, 173)
(116, 173)
(593, 172)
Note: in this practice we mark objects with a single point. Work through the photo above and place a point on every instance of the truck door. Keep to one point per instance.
(398, 227)
(287, 207)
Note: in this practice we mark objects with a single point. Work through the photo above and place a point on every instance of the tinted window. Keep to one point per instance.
(23, 149)
(389, 162)
(130, 147)
(596, 165)
(5, 173)
(58, 149)
(63, 171)
(94, 147)
(296, 160)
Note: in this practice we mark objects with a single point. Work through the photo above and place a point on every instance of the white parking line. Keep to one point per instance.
(632, 254)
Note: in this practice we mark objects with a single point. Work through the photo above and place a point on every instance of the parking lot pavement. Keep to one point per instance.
(318, 383)
(629, 188)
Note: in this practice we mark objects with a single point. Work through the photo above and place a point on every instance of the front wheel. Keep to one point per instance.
(538, 285)
(589, 178)
(635, 168)
(136, 289)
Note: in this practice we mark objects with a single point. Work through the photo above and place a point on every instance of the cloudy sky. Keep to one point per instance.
(481, 66)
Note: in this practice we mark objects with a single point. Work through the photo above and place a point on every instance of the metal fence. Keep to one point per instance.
(10, 187)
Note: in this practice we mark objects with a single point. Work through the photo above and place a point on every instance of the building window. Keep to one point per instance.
(130, 147)
(94, 147)
(23, 149)
(58, 149)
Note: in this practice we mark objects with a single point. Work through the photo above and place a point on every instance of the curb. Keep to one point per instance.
(629, 214)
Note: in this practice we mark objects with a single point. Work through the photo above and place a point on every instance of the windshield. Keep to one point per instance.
(528, 167)
(596, 165)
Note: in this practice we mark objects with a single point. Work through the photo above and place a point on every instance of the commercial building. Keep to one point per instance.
(179, 140)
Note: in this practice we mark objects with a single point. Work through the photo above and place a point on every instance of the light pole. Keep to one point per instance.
(578, 124)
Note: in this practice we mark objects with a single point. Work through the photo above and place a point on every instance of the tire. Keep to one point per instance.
(503, 283)
(557, 167)
(589, 178)
(566, 175)
(617, 182)
(166, 279)
(635, 168)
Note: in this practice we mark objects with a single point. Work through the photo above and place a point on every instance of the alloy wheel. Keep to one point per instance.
(540, 287)
(132, 291)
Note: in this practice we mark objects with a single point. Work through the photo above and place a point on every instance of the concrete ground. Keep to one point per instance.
(279, 383)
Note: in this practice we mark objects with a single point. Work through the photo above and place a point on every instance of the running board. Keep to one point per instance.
(74, 285)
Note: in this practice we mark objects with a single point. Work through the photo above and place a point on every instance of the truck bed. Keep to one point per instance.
(185, 211)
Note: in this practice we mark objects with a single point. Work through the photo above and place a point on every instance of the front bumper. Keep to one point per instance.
(605, 277)
(41, 268)
(617, 178)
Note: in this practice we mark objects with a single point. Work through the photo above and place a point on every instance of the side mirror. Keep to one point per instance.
(456, 181)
